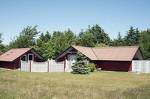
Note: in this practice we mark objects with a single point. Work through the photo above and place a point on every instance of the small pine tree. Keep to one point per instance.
(80, 66)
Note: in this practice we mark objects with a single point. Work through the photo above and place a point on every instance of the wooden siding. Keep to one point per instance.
(17, 63)
(114, 65)
(10, 65)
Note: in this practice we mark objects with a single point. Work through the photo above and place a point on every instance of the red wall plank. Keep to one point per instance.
(114, 65)
(11, 65)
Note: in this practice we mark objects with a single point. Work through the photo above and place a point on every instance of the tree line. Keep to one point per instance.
(50, 45)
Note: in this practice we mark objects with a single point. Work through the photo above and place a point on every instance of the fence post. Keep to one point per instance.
(64, 64)
(30, 65)
(20, 63)
(48, 66)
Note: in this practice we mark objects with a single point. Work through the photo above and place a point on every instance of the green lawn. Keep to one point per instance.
(97, 85)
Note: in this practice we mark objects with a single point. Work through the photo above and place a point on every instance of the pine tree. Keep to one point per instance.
(119, 41)
(132, 37)
(99, 36)
(137, 36)
(80, 66)
(45, 37)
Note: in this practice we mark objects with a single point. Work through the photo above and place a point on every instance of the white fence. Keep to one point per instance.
(142, 66)
(25, 66)
(56, 66)
(48, 66)
(39, 66)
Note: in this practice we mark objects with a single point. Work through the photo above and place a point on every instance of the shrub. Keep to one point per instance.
(80, 69)
(80, 66)
(91, 66)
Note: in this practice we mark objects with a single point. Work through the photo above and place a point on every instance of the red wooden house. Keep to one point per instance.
(106, 58)
(12, 58)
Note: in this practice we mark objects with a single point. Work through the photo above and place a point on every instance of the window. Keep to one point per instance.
(30, 56)
(24, 58)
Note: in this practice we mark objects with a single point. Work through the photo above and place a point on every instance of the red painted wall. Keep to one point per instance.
(16, 63)
(114, 65)
(11, 65)
(8, 65)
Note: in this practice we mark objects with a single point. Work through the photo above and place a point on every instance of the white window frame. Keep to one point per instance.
(25, 57)
(32, 57)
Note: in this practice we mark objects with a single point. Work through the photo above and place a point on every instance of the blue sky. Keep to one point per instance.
(112, 15)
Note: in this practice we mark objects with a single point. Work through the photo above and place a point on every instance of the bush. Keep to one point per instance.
(80, 66)
(91, 66)
(80, 69)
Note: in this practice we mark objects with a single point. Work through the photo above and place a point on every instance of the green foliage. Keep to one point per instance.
(80, 69)
(0, 38)
(119, 41)
(145, 43)
(26, 38)
(135, 37)
(99, 36)
(44, 48)
(80, 66)
(132, 37)
(62, 40)
(101, 45)
(45, 37)
(3, 48)
(85, 39)
(50, 46)
(91, 66)
(44, 45)
(92, 36)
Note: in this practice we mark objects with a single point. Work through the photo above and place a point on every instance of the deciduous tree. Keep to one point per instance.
(26, 38)
(145, 43)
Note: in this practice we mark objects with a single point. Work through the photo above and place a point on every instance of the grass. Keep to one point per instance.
(97, 85)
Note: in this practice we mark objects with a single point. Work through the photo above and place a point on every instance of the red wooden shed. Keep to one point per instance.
(12, 58)
(106, 58)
